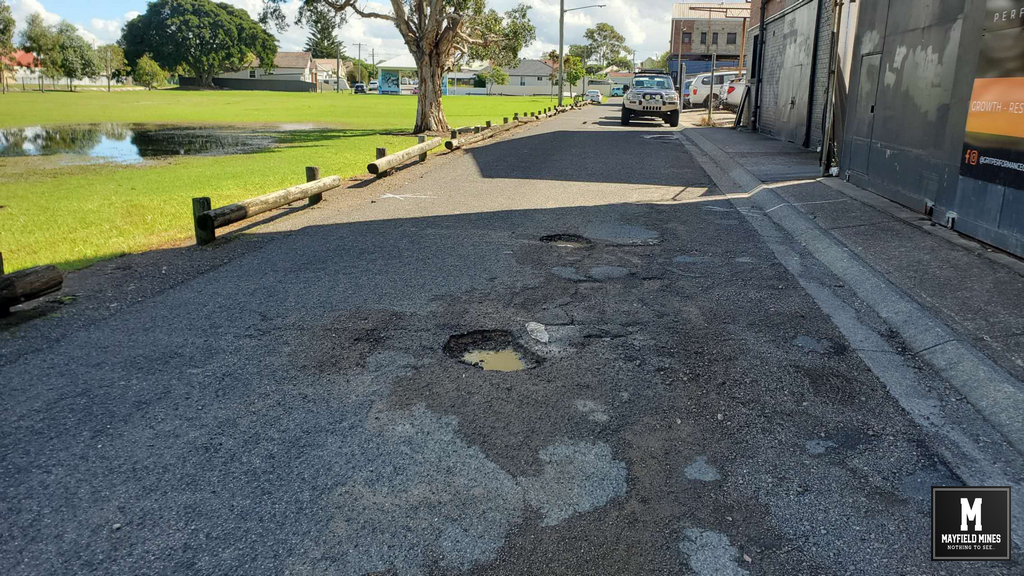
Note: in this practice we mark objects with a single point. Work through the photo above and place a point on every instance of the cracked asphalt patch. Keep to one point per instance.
(291, 409)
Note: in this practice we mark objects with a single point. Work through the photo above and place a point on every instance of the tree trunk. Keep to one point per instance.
(108, 82)
(429, 110)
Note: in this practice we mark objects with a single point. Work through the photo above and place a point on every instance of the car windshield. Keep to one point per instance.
(657, 82)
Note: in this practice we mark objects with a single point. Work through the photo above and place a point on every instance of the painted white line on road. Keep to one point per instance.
(405, 196)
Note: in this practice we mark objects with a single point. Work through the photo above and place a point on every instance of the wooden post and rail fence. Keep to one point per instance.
(28, 284)
(207, 219)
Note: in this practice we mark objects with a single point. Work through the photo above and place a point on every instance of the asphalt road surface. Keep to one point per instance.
(287, 406)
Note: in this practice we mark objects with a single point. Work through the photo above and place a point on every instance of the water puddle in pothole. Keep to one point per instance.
(491, 351)
(567, 240)
(507, 360)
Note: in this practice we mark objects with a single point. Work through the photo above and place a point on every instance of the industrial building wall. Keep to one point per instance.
(912, 74)
(791, 66)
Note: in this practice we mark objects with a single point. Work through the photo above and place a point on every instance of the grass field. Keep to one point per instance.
(75, 215)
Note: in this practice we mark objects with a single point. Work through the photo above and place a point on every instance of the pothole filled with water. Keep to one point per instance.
(491, 351)
(567, 240)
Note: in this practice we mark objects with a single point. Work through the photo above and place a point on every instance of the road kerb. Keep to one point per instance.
(989, 388)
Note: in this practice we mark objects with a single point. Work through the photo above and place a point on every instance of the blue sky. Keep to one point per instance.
(644, 23)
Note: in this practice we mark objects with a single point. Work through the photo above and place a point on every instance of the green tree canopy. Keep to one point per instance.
(438, 34)
(582, 51)
(41, 41)
(495, 76)
(606, 43)
(202, 37)
(76, 58)
(360, 71)
(323, 24)
(622, 63)
(111, 61)
(148, 73)
(6, 42)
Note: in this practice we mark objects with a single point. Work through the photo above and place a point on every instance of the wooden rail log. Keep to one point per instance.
(399, 158)
(456, 143)
(207, 222)
(28, 284)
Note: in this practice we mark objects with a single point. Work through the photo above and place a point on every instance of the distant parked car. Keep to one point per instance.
(618, 90)
(373, 86)
(359, 88)
(734, 93)
(594, 96)
(701, 90)
(686, 93)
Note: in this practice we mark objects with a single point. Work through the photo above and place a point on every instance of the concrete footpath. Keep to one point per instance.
(956, 303)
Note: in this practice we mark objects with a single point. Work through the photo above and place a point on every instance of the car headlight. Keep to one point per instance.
(671, 98)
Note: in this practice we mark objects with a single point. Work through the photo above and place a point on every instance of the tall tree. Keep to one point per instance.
(77, 57)
(495, 76)
(110, 58)
(40, 40)
(323, 24)
(148, 73)
(6, 43)
(439, 33)
(606, 43)
(199, 36)
(582, 51)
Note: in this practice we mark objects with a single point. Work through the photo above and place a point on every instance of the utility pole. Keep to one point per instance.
(373, 59)
(679, 63)
(337, 72)
(359, 63)
(561, 43)
(561, 49)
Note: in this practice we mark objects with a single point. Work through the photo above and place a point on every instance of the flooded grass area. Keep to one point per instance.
(88, 176)
(131, 143)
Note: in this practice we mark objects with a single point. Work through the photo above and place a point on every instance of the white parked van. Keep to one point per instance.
(700, 90)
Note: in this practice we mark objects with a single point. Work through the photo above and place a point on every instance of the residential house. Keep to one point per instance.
(24, 70)
(292, 72)
(327, 72)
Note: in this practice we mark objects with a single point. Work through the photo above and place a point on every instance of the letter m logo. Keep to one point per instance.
(970, 512)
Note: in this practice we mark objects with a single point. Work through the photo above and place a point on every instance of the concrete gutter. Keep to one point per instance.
(996, 394)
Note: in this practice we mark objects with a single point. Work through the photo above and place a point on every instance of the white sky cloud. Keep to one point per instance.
(644, 23)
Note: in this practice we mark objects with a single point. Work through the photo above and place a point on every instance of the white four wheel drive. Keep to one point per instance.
(652, 95)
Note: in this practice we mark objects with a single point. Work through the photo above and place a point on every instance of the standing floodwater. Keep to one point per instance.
(132, 143)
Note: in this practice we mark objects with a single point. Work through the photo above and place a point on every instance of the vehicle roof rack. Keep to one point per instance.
(652, 71)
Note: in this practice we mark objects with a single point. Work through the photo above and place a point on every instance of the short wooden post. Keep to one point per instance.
(476, 129)
(455, 135)
(382, 152)
(505, 120)
(203, 236)
(312, 175)
(421, 139)
(488, 123)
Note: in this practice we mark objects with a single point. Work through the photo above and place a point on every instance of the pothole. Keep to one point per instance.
(491, 351)
(567, 240)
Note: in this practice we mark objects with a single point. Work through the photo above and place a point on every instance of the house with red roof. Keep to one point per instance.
(21, 68)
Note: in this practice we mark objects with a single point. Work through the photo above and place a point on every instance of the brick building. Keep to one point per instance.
(702, 29)
(790, 80)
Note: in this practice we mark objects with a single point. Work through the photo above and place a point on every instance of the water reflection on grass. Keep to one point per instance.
(132, 143)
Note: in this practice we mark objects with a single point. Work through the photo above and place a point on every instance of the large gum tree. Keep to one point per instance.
(439, 34)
